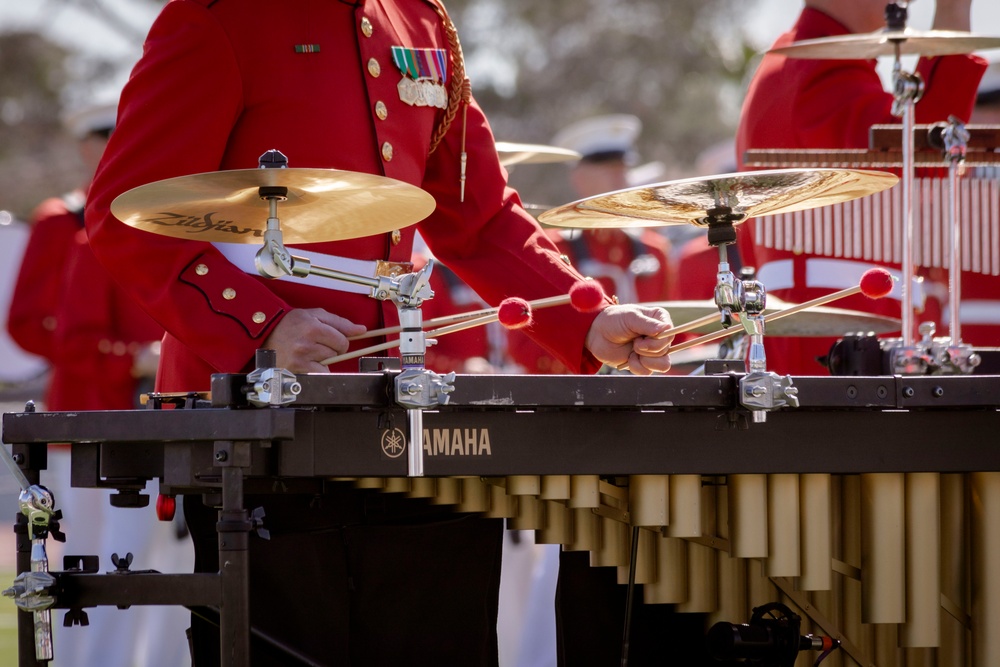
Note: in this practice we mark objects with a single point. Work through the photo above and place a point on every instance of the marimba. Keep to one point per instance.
(873, 508)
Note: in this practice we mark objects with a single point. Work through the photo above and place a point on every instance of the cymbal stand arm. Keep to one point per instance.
(907, 90)
(274, 261)
(956, 138)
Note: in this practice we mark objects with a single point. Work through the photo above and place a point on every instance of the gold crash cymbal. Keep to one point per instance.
(904, 42)
(511, 154)
(226, 206)
(740, 196)
(814, 322)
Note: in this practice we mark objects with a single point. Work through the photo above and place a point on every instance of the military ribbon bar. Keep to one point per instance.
(425, 73)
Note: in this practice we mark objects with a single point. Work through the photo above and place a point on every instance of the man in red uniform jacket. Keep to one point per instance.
(804, 103)
(34, 317)
(103, 350)
(219, 83)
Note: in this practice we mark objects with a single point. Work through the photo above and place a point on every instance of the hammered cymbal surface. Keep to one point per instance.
(227, 207)
(735, 196)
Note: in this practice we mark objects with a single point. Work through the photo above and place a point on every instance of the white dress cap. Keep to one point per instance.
(94, 118)
(599, 135)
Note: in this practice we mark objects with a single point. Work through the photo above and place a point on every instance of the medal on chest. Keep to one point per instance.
(425, 73)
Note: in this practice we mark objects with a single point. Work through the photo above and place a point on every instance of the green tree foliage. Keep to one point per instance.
(34, 73)
(39, 81)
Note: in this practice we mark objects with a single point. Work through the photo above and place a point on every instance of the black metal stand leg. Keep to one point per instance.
(234, 534)
(25, 621)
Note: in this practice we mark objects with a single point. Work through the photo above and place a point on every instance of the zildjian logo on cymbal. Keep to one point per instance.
(200, 225)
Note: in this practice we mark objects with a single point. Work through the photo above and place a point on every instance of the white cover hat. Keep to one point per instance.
(94, 118)
(600, 135)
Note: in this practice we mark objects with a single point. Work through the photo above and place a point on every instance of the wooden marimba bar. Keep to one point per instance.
(896, 566)
(873, 509)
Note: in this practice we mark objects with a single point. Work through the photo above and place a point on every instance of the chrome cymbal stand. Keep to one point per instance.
(743, 302)
(417, 388)
(929, 355)
(907, 89)
(949, 355)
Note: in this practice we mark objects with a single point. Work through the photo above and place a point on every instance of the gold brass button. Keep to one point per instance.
(229, 294)
(118, 348)
(259, 317)
(387, 151)
(201, 269)
(374, 68)
(397, 236)
(366, 27)
(381, 110)
(104, 346)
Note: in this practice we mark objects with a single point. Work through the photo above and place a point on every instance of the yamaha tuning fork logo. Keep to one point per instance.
(393, 443)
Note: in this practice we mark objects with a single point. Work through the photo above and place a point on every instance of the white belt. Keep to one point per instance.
(242, 256)
(834, 274)
(978, 311)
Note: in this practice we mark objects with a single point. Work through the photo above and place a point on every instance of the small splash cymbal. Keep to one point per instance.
(227, 207)
(903, 42)
(820, 321)
(735, 197)
(511, 153)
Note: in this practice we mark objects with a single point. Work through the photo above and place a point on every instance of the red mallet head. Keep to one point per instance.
(586, 296)
(876, 283)
(514, 313)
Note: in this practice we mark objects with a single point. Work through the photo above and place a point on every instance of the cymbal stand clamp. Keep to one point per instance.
(417, 388)
(760, 389)
(743, 302)
(932, 356)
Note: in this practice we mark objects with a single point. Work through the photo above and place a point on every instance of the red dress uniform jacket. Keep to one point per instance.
(801, 103)
(220, 88)
(633, 268)
(34, 304)
(101, 331)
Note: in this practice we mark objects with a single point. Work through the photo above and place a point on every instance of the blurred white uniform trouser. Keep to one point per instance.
(527, 626)
(141, 636)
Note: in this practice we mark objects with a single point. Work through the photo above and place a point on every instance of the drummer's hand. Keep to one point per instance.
(624, 337)
(304, 337)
